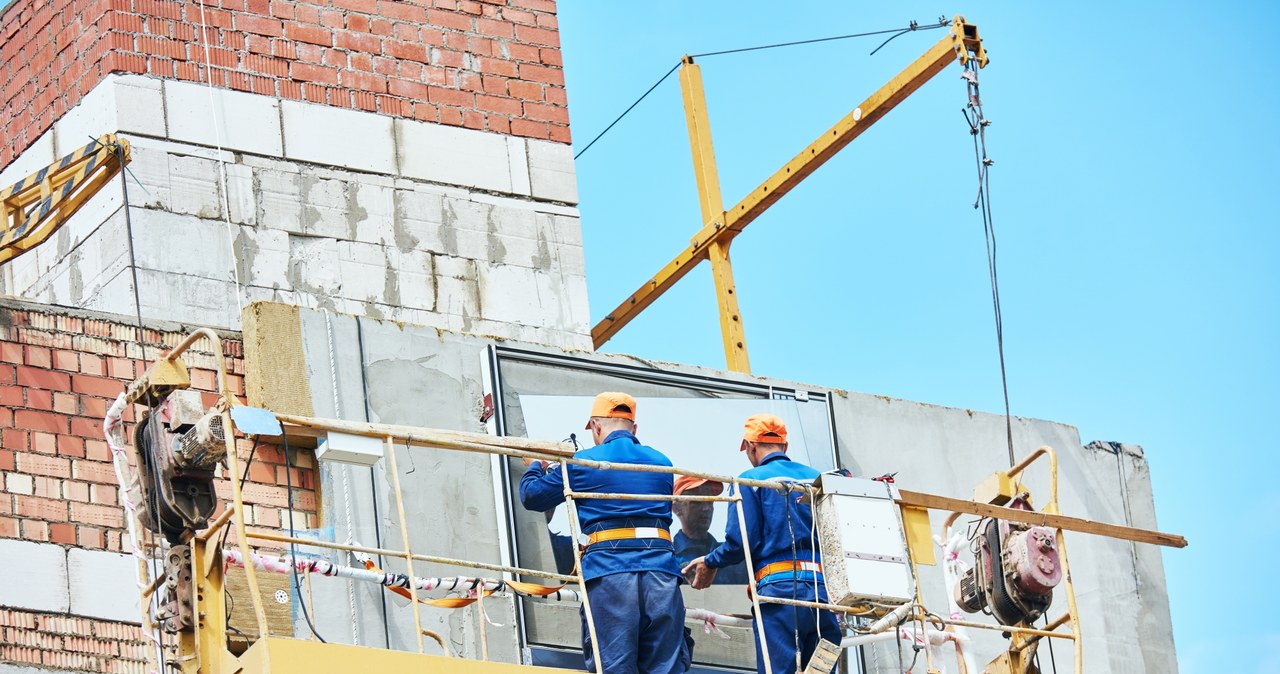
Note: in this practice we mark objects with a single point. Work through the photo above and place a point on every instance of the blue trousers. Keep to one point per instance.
(639, 620)
(784, 626)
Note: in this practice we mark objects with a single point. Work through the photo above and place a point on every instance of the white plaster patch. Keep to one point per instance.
(551, 171)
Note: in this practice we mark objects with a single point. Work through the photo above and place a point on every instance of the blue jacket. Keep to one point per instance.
(765, 512)
(541, 491)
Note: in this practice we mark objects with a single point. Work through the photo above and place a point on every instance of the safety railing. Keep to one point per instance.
(414, 438)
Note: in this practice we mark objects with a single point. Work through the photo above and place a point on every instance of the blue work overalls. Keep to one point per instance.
(634, 583)
(774, 540)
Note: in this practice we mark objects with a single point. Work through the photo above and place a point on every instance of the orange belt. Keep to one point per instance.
(623, 534)
(783, 567)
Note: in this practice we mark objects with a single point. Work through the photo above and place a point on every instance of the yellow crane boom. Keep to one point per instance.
(36, 206)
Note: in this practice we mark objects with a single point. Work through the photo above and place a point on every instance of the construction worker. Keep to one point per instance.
(631, 575)
(694, 538)
(787, 565)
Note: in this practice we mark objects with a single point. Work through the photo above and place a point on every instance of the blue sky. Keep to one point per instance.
(1133, 193)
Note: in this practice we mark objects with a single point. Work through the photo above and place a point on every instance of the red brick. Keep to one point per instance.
(48, 380)
(86, 427)
(94, 471)
(10, 352)
(259, 25)
(546, 113)
(32, 420)
(66, 360)
(529, 129)
(494, 28)
(39, 356)
(96, 450)
(35, 530)
(6, 459)
(44, 443)
(538, 36)
(443, 96)
(104, 494)
(542, 74)
(11, 396)
(71, 446)
(62, 533)
(550, 57)
(408, 89)
(104, 516)
(12, 438)
(52, 510)
(75, 491)
(507, 106)
(91, 537)
(445, 19)
(37, 464)
(311, 34)
(98, 386)
(66, 403)
(39, 400)
(92, 364)
(8, 527)
(362, 6)
(357, 41)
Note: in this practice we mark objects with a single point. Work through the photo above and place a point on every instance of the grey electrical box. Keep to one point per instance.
(357, 450)
(863, 542)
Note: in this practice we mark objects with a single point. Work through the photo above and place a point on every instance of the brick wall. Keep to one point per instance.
(492, 65)
(58, 374)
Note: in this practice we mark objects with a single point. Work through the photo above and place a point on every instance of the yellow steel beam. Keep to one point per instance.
(33, 208)
(704, 169)
(960, 44)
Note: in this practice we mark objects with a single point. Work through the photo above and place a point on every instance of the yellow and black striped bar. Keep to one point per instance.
(36, 206)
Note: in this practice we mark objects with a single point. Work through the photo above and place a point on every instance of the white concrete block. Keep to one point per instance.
(373, 213)
(222, 118)
(149, 182)
(418, 220)
(551, 171)
(37, 156)
(140, 105)
(184, 149)
(511, 294)
(182, 244)
(35, 576)
(313, 266)
(263, 256)
(279, 200)
(453, 155)
(358, 140)
(103, 585)
(242, 203)
(363, 282)
(190, 299)
(92, 117)
(518, 155)
(513, 221)
(326, 208)
(195, 187)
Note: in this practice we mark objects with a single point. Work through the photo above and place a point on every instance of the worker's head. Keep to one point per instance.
(763, 434)
(611, 412)
(695, 516)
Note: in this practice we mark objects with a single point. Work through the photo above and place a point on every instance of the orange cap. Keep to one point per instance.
(617, 405)
(764, 428)
(686, 482)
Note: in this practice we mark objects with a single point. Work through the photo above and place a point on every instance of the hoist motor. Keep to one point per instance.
(179, 444)
(1016, 568)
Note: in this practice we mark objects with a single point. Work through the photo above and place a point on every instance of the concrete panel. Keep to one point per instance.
(325, 135)
(92, 117)
(551, 171)
(103, 585)
(518, 154)
(181, 244)
(222, 118)
(452, 155)
(36, 578)
(140, 105)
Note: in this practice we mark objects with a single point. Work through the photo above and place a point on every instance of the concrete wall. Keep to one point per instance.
(315, 206)
(426, 377)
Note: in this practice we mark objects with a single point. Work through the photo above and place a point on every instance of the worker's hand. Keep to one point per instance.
(529, 461)
(698, 574)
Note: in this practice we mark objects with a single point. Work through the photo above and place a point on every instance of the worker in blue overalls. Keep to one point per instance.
(631, 574)
(787, 563)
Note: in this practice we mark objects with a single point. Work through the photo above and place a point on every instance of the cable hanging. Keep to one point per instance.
(913, 26)
(978, 129)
